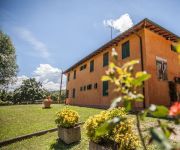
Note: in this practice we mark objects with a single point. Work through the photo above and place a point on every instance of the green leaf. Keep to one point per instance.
(143, 114)
(160, 111)
(128, 105)
(111, 65)
(177, 47)
(130, 63)
(105, 78)
(140, 78)
(166, 131)
(158, 136)
(107, 126)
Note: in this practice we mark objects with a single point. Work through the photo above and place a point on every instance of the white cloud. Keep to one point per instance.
(49, 77)
(28, 36)
(121, 24)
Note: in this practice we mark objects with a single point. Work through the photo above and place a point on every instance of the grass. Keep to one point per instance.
(23, 119)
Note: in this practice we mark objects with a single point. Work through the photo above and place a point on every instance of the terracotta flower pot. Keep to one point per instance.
(68, 101)
(47, 103)
(69, 135)
(95, 146)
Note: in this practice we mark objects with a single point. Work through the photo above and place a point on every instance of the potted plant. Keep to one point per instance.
(68, 129)
(47, 102)
(119, 136)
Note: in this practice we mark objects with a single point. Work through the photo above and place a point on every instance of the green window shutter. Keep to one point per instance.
(105, 88)
(74, 93)
(173, 48)
(68, 76)
(74, 74)
(125, 50)
(91, 65)
(105, 59)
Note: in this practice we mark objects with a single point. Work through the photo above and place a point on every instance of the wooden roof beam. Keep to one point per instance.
(152, 28)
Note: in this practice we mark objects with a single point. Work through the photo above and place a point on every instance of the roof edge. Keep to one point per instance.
(139, 25)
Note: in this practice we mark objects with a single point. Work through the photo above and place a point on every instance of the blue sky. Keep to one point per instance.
(61, 32)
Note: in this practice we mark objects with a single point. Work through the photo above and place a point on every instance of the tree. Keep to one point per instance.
(30, 90)
(55, 95)
(6, 95)
(8, 66)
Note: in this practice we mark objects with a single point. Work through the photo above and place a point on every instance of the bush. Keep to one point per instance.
(122, 133)
(67, 118)
(4, 103)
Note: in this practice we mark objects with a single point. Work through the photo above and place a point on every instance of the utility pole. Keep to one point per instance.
(60, 85)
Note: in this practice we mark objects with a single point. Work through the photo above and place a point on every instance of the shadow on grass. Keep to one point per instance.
(46, 107)
(60, 145)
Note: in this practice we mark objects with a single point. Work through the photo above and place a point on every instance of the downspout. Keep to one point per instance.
(142, 64)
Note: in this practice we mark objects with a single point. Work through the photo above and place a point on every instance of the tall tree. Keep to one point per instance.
(30, 90)
(8, 66)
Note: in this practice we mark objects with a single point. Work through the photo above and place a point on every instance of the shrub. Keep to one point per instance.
(4, 103)
(67, 118)
(122, 133)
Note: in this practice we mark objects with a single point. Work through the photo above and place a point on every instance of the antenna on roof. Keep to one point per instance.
(109, 24)
(111, 32)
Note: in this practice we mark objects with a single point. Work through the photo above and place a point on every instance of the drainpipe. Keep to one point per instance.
(142, 64)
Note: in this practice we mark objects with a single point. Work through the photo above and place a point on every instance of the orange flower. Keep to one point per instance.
(175, 109)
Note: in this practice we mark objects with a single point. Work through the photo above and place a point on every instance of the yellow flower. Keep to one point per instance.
(67, 118)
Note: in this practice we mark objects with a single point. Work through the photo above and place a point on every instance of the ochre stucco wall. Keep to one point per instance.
(156, 91)
(156, 45)
(94, 97)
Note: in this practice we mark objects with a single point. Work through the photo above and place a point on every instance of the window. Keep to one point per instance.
(95, 85)
(84, 88)
(91, 65)
(89, 87)
(125, 50)
(67, 93)
(161, 65)
(173, 48)
(74, 74)
(83, 67)
(105, 88)
(81, 88)
(74, 93)
(68, 77)
(105, 59)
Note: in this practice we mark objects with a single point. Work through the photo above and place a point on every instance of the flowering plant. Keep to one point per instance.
(67, 118)
(175, 109)
(121, 133)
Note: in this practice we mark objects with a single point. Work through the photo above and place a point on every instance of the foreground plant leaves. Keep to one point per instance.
(158, 136)
(115, 102)
(140, 77)
(160, 111)
(128, 105)
(107, 126)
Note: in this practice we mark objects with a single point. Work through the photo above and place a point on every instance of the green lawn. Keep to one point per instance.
(23, 119)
